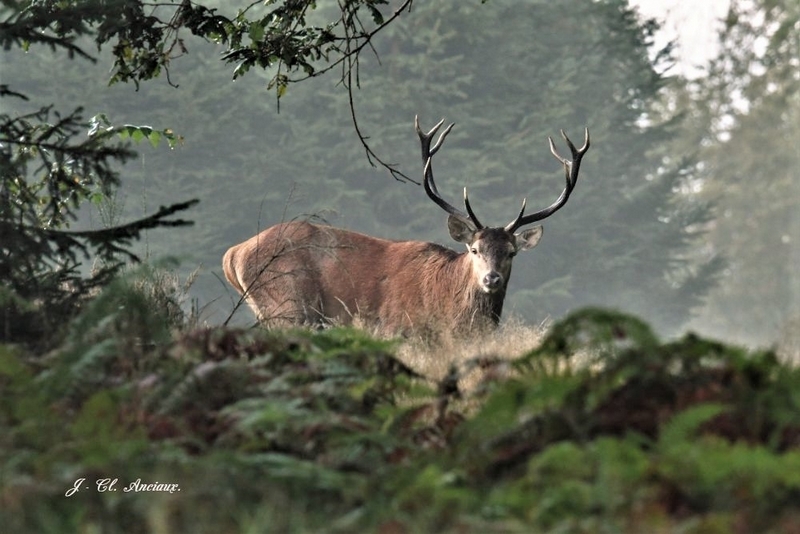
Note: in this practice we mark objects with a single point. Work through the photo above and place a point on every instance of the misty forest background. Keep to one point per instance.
(687, 208)
(130, 161)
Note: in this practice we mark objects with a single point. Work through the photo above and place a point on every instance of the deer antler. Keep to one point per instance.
(571, 169)
(430, 186)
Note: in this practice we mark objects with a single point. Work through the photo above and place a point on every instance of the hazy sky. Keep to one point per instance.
(693, 23)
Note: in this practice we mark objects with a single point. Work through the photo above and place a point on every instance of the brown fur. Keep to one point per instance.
(303, 273)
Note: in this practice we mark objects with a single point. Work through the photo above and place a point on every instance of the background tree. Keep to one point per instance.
(49, 171)
(748, 105)
(509, 74)
(622, 241)
(46, 175)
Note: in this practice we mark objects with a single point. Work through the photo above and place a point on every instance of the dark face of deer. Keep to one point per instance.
(491, 250)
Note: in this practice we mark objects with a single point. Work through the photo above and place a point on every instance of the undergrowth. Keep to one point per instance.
(601, 427)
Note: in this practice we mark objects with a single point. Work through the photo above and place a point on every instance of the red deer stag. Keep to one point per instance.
(298, 273)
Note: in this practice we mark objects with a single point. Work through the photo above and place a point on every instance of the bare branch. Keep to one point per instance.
(350, 59)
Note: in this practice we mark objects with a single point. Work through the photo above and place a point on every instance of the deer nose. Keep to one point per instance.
(492, 280)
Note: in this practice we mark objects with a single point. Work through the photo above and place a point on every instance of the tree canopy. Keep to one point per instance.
(749, 107)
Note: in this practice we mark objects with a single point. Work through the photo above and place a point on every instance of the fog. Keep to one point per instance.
(685, 212)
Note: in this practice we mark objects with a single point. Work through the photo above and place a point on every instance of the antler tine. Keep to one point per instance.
(571, 170)
(567, 164)
(469, 210)
(425, 145)
(576, 152)
(433, 194)
(425, 138)
(429, 183)
(513, 225)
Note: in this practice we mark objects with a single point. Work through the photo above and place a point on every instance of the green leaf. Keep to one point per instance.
(281, 84)
(256, 31)
(377, 16)
(96, 198)
(686, 423)
(172, 139)
(154, 138)
(99, 123)
(241, 69)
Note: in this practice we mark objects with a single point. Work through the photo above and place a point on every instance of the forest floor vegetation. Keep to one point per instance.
(135, 423)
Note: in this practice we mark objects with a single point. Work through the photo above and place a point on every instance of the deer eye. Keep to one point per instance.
(473, 250)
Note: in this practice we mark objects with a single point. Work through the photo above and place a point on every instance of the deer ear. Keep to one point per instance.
(461, 229)
(529, 238)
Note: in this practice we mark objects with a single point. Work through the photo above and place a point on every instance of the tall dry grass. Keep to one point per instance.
(466, 355)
